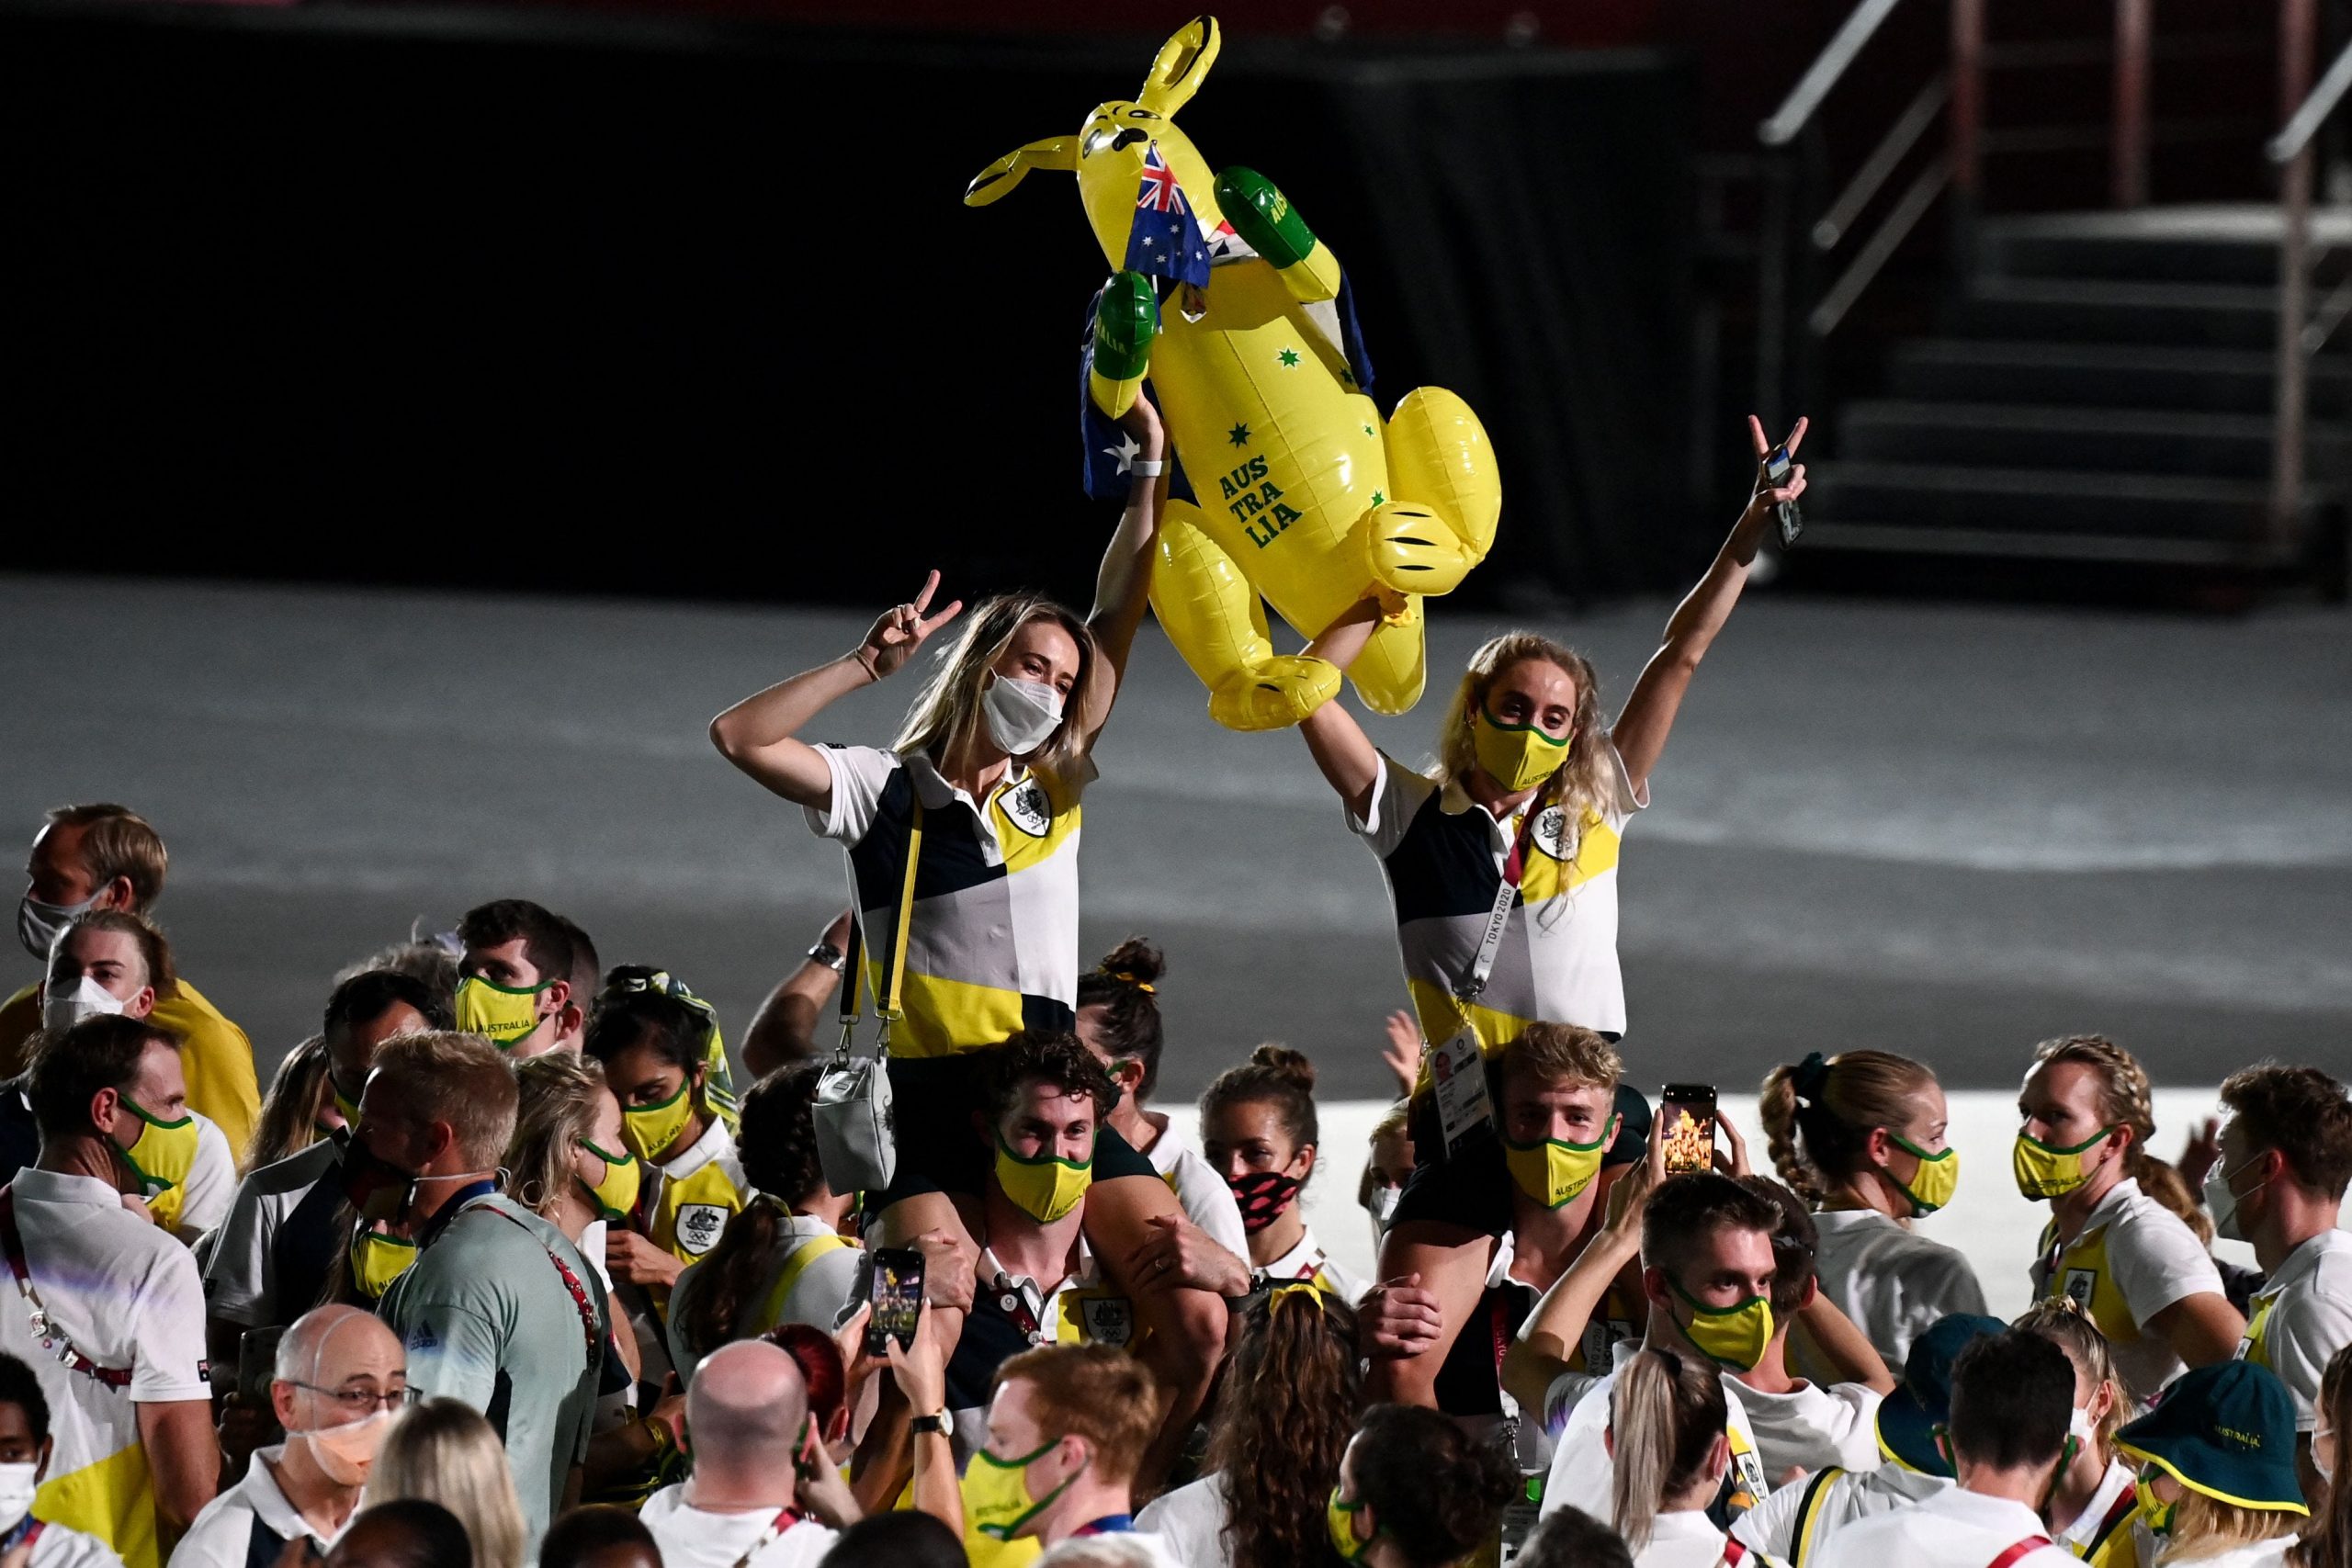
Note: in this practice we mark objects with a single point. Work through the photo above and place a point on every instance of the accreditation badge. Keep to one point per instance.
(1458, 1072)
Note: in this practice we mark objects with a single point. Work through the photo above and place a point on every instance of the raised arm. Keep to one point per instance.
(760, 734)
(1649, 714)
(1334, 738)
(785, 1029)
(1123, 586)
(1539, 1356)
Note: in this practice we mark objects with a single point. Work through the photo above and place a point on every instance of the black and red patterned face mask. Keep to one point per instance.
(1263, 1195)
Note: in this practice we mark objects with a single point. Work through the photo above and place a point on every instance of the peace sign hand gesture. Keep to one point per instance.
(901, 631)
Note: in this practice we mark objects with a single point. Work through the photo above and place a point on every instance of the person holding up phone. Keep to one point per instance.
(1501, 866)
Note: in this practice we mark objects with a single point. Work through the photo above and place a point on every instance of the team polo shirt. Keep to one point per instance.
(2302, 1317)
(488, 1320)
(696, 1537)
(1813, 1426)
(214, 1052)
(1308, 1264)
(1895, 1284)
(1201, 1193)
(1445, 855)
(686, 1204)
(271, 1256)
(248, 1525)
(1584, 1476)
(809, 1275)
(59, 1547)
(126, 1295)
(1951, 1528)
(2133, 1258)
(1793, 1524)
(992, 945)
(1009, 1314)
(2108, 1532)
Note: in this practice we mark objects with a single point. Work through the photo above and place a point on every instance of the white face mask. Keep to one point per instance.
(17, 1483)
(2327, 1472)
(1383, 1207)
(2082, 1428)
(39, 924)
(64, 1006)
(2222, 1204)
(1020, 714)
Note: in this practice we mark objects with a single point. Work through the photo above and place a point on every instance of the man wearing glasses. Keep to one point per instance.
(341, 1378)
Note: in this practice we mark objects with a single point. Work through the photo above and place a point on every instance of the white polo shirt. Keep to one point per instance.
(249, 1523)
(1206, 1200)
(125, 1293)
(1816, 1427)
(1786, 1529)
(2302, 1317)
(1583, 1475)
(692, 1537)
(2133, 1258)
(1190, 1522)
(241, 1279)
(1950, 1529)
(821, 1285)
(1682, 1540)
(1445, 855)
(1308, 1263)
(992, 945)
(1895, 1283)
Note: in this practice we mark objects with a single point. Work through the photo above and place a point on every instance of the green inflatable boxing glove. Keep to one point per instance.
(1124, 323)
(1264, 217)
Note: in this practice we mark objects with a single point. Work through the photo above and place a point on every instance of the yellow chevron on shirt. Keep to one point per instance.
(2255, 1346)
(709, 1187)
(1543, 877)
(1442, 1014)
(945, 1016)
(113, 1499)
(2083, 1274)
(1024, 849)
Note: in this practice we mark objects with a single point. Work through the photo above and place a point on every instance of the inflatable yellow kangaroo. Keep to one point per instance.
(1305, 496)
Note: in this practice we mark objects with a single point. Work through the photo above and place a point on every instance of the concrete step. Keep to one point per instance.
(2038, 500)
(2106, 375)
(2025, 435)
(2170, 315)
(2235, 243)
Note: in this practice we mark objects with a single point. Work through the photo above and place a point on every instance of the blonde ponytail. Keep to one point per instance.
(1665, 1411)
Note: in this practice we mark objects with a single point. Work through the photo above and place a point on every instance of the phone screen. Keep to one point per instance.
(1687, 1123)
(897, 1297)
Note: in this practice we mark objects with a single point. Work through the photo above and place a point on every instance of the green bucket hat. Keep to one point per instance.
(1908, 1418)
(2226, 1430)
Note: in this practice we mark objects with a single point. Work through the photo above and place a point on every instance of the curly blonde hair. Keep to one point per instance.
(1583, 781)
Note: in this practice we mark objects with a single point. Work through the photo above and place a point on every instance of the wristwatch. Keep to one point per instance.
(931, 1424)
(831, 957)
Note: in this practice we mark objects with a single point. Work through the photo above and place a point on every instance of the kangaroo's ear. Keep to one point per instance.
(1179, 69)
(1053, 152)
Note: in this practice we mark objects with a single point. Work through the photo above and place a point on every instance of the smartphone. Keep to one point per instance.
(1776, 471)
(257, 1367)
(1687, 1121)
(894, 1285)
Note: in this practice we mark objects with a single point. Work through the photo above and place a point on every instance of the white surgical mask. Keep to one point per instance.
(2327, 1472)
(1383, 1207)
(2222, 1204)
(17, 1483)
(1020, 714)
(37, 924)
(2080, 1426)
(64, 1006)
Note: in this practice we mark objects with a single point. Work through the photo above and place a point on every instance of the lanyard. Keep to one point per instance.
(784, 1519)
(1490, 942)
(52, 1337)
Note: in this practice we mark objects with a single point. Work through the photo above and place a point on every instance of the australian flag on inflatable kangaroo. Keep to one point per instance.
(1303, 496)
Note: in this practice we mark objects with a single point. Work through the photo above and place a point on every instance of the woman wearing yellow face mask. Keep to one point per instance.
(1502, 862)
(2133, 1265)
(1862, 1137)
(1415, 1490)
(653, 1041)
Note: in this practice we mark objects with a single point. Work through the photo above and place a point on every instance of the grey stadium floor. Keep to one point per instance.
(1949, 831)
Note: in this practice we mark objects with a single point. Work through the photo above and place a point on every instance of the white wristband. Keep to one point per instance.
(1147, 468)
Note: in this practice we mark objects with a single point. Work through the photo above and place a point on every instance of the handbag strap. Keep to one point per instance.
(889, 1010)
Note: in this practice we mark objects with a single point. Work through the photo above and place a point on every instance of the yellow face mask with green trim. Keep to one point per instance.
(650, 1129)
(1553, 1171)
(1340, 1524)
(378, 1259)
(1045, 1189)
(996, 1492)
(2045, 1171)
(159, 1158)
(615, 1195)
(1516, 756)
(503, 1015)
(1734, 1337)
(1932, 1185)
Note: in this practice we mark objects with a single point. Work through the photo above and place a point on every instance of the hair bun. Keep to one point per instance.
(1285, 1062)
(1136, 961)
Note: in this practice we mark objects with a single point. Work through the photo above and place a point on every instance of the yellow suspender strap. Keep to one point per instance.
(1809, 1515)
(808, 1252)
(890, 1009)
